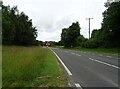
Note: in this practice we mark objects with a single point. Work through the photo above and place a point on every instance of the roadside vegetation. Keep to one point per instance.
(26, 66)
(31, 67)
(17, 28)
(98, 50)
(105, 39)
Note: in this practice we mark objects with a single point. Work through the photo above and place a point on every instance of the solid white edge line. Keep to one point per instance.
(104, 63)
(78, 85)
(68, 71)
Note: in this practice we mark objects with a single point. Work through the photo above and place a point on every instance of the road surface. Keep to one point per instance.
(89, 69)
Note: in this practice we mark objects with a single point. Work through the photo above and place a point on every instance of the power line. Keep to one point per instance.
(89, 25)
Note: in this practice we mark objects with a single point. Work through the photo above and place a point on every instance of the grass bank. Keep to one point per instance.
(98, 50)
(31, 67)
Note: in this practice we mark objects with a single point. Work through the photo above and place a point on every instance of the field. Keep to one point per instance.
(31, 67)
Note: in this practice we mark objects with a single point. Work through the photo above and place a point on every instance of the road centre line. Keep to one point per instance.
(75, 54)
(104, 63)
(100, 55)
(68, 71)
(72, 53)
(109, 56)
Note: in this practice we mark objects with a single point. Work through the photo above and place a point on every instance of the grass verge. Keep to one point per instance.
(98, 50)
(31, 67)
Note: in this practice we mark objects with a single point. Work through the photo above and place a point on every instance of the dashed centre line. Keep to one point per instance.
(109, 56)
(75, 54)
(100, 55)
(104, 63)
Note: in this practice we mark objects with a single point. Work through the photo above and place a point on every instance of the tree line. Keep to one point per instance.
(17, 28)
(106, 36)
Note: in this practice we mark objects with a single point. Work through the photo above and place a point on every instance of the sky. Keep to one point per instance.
(51, 16)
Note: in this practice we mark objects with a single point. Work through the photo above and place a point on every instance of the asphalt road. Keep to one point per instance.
(89, 69)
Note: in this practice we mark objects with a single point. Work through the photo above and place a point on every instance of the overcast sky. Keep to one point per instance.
(50, 16)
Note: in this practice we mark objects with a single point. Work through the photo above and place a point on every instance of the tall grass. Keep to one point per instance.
(30, 67)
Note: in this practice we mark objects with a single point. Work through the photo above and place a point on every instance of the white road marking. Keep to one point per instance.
(104, 63)
(101, 55)
(78, 85)
(109, 56)
(77, 54)
(73, 53)
(68, 71)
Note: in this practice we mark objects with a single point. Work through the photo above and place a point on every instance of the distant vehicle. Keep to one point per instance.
(46, 43)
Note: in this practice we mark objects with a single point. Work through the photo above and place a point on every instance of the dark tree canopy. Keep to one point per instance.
(69, 35)
(17, 28)
(111, 25)
(108, 35)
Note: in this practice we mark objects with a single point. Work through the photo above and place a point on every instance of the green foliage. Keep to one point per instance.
(91, 43)
(69, 35)
(111, 26)
(81, 40)
(53, 43)
(108, 35)
(17, 28)
(30, 67)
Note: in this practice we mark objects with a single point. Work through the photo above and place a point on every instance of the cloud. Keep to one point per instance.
(50, 16)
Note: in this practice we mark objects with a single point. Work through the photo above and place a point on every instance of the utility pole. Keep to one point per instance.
(89, 25)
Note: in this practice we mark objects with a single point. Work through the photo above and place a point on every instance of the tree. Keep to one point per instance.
(64, 39)
(81, 40)
(17, 28)
(108, 35)
(69, 35)
(8, 29)
(73, 34)
(111, 25)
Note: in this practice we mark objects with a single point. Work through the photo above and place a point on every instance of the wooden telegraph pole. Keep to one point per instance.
(89, 25)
